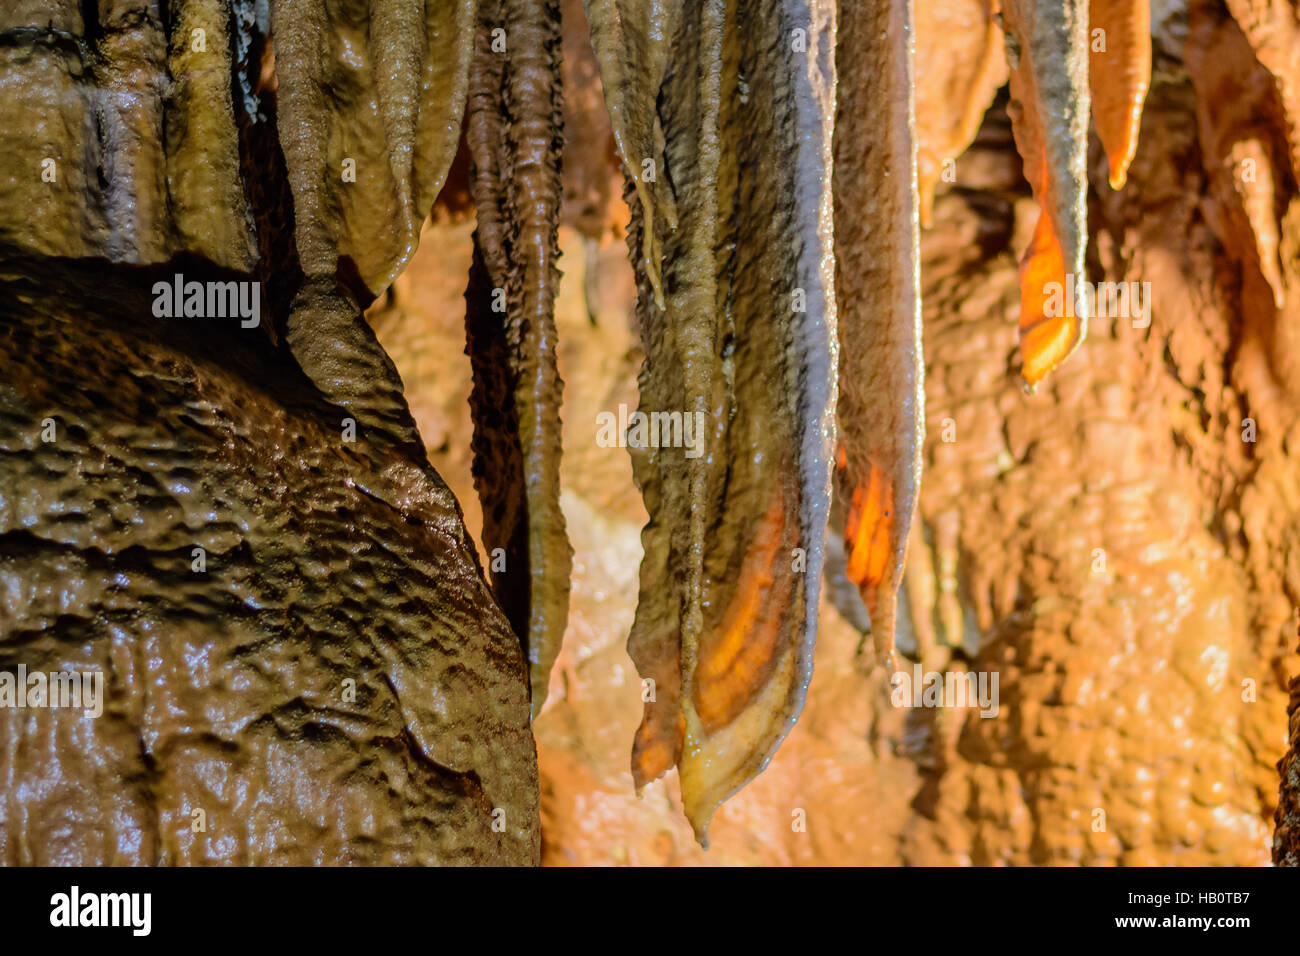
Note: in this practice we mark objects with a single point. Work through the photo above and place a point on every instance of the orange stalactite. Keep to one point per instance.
(1119, 74)
(869, 532)
(1048, 55)
(961, 46)
(1045, 340)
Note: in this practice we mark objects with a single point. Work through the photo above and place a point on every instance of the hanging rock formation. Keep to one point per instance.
(881, 402)
(515, 136)
(961, 45)
(1119, 74)
(369, 104)
(120, 138)
(1047, 54)
(737, 324)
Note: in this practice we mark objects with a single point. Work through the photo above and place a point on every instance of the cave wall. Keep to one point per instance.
(231, 516)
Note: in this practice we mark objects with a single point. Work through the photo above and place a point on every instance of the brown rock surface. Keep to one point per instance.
(234, 521)
(323, 561)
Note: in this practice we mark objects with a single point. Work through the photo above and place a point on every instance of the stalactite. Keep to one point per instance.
(740, 343)
(633, 40)
(368, 108)
(881, 400)
(960, 43)
(1119, 74)
(1048, 54)
(1272, 28)
(128, 131)
(515, 136)
(1244, 143)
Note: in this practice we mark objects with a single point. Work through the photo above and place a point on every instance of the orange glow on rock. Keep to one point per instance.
(1045, 340)
(738, 653)
(869, 532)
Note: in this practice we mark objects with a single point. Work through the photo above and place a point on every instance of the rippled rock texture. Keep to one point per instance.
(233, 518)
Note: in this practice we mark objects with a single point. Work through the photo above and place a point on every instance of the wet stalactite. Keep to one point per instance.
(830, 245)
(881, 400)
(514, 130)
(736, 326)
(1047, 55)
(962, 79)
